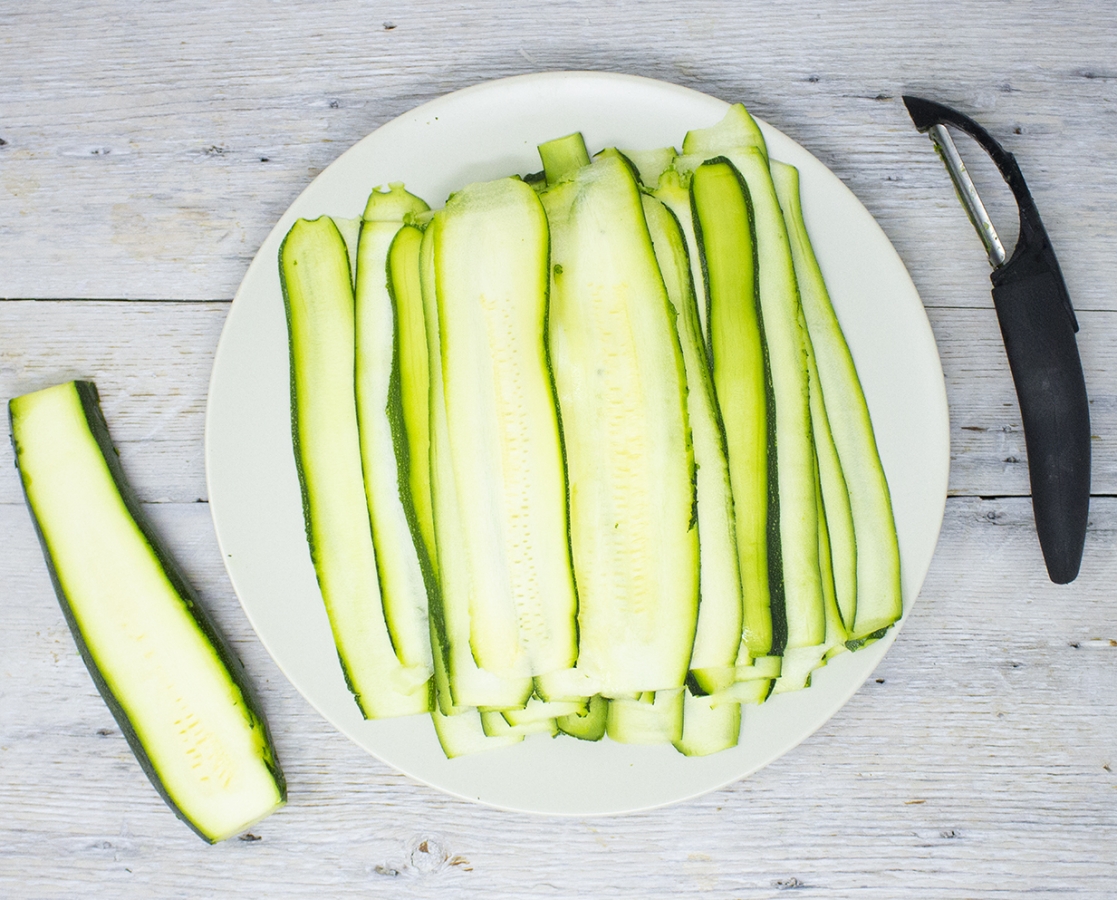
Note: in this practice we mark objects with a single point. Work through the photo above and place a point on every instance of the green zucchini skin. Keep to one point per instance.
(724, 225)
(241, 693)
(588, 725)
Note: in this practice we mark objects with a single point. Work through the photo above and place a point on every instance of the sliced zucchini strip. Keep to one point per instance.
(588, 725)
(652, 718)
(385, 451)
(879, 599)
(737, 129)
(717, 637)
(491, 281)
(725, 234)
(318, 296)
(176, 691)
(621, 386)
(708, 726)
(784, 333)
(469, 684)
(459, 729)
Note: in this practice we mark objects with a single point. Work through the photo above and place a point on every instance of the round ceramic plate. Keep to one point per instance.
(487, 132)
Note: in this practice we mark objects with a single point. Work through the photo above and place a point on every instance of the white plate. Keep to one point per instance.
(486, 132)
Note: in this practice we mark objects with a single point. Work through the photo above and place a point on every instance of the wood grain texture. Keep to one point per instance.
(150, 147)
(976, 762)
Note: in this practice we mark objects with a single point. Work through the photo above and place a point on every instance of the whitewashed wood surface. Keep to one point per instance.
(147, 150)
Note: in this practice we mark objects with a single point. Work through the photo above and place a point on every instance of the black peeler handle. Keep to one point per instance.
(1043, 357)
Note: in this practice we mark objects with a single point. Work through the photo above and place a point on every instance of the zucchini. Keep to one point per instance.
(469, 684)
(538, 710)
(588, 725)
(879, 598)
(650, 164)
(490, 252)
(496, 725)
(708, 726)
(563, 156)
(318, 298)
(798, 574)
(725, 234)
(414, 389)
(385, 456)
(651, 718)
(717, 637)
(737, 129)
(460, 730)
(836, 513)
(178, 694)
(621, 386)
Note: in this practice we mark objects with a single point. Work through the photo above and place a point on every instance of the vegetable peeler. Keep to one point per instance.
(1038, 326)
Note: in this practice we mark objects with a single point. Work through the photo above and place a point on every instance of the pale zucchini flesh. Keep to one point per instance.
(469, 684)
(717, 637)
(491, 282)
(708, 726)
(653, 718)
(621, 386)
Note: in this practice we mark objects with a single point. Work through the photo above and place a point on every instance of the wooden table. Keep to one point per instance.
(145, 152)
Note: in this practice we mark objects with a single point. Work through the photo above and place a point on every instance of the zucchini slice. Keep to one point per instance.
(621, 385)
(413, 369)
(490, 261)
(490, 252)
(385, 451)
(725, 233)
(178, 694)
(318, 296)
(879, 599)
(459, 729)
(717, 637)
(588, 725)
(651, 718)
(468, 684)
(737, 129)
(784, 335)
(708, 726)
(837, 514)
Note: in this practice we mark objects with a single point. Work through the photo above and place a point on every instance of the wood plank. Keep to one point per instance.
(976, 762)
(147, 151)
(152, 361)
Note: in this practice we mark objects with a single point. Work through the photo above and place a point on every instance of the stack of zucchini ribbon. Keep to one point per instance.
(585, 452)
